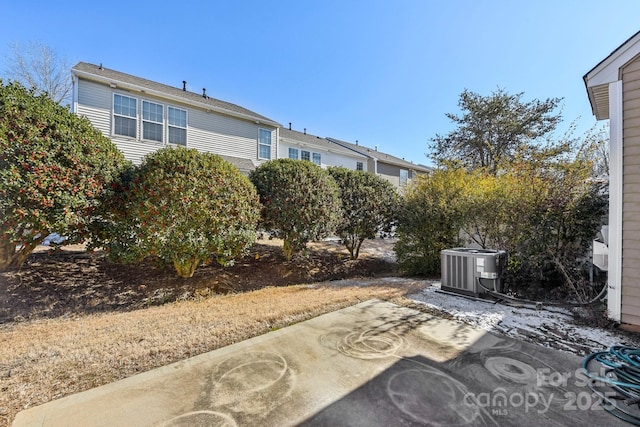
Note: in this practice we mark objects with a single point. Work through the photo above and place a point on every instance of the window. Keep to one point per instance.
(293, 153)
(316, 158)
(152, 121)
(177, 119)
(404, 177)
(125, 113)
(264, 144)
(359, 166)
(125, 120)
(305, 155)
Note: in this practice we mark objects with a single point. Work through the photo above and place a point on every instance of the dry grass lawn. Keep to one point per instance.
(45, 359)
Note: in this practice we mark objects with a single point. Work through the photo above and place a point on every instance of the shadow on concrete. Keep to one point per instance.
(512, 384)
(373, 364)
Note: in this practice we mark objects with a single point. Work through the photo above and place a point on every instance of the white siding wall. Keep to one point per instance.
(226, 135)
(327, 157)
(207, 132)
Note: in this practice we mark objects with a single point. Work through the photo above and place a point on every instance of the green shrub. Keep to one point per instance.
(430, 219)
(551, 216)
(544, 217)
(54, 167)
(184, 207)
(300, 202)
(369, 206)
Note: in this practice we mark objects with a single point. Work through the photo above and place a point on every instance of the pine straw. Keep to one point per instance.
(48, 359)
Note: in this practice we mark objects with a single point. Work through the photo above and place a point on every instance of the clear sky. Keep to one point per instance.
(380, 72)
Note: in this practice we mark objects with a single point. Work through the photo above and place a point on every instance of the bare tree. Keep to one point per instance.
(595, 148)
(36, 65)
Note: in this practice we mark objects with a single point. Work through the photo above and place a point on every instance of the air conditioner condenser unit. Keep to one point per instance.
(464, 270)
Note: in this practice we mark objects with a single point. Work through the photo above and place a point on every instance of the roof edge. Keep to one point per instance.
(609, 59)
(607, 71)
(99, 78)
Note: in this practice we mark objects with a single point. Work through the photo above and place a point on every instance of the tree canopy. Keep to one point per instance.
(492, 130)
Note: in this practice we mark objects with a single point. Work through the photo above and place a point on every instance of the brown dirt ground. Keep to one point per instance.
(70, 321)
(71, 281)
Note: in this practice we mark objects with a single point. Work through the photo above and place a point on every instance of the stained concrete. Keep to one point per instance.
(373, 364)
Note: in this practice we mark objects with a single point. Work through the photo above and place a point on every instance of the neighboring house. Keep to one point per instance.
(394, 169)
(304, 146)
(613, 87)
(141, 116)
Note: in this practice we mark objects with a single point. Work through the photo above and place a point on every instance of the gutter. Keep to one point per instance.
(335, 141)
(142, 89)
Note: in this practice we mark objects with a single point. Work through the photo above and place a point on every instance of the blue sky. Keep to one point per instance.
(380, 72)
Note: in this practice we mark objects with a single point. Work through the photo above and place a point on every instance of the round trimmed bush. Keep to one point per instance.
(54, 168)
(300, 202)
(186, 207)
(369, 206)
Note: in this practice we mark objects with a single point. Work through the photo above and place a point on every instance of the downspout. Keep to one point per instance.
(614, 299)
(74, 99)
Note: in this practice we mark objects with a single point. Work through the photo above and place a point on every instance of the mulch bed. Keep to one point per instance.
(70, 283)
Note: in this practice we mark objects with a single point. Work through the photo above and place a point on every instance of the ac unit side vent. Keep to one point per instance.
(457, 274)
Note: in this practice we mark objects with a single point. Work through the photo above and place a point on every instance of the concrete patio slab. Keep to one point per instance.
(373, 364)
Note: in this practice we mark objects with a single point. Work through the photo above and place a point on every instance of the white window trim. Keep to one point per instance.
(113, 116)
(297, 153)
(305, 151)
(186, 128)
(142, 121)
(261, 144)
(313, 159)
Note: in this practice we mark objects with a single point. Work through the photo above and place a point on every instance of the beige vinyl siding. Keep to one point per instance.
(225, 135)
(389, 172)
(370, 165)
(206, 131)
(392, 173)
(94, 102)
(630, 312)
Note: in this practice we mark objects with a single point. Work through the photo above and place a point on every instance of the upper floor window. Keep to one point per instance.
(404, 177)
(264, 144)
(359, 166)
(152, 121)
(316, 158)
(305, 155)
(177, 119)
(293, 153)
(125, 115)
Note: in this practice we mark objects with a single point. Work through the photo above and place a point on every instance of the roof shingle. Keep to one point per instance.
(102, 74)
(380, 156)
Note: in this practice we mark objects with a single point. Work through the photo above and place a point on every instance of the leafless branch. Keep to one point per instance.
(37, 65)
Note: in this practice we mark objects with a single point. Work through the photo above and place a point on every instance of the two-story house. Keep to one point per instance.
(141, 116)
(613, 88)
